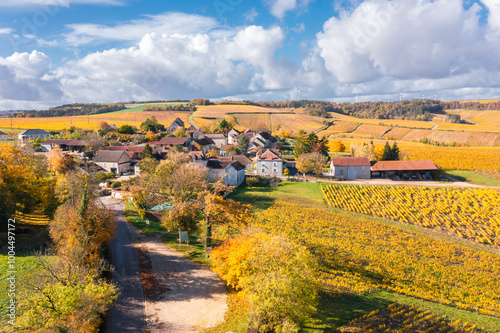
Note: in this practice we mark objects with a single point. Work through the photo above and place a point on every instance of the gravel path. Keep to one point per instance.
(194, 296)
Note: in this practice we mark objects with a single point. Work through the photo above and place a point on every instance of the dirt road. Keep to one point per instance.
(194, 297)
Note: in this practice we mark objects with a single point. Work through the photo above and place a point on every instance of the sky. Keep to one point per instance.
(55, 52)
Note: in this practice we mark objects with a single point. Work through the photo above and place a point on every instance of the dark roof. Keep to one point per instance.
(204, 141)
(268, 136)
(109, 155)
(2, 133)
(67, 142)
(238, 166)
(350, 161)
(197, 155)
(404, 166)
(34, 132)
(172, 140)
(137, 149)
(178, 121)
(215, 163)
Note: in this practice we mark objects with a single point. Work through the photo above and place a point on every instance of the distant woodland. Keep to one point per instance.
(76, 109)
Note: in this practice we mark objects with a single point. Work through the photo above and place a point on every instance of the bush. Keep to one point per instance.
(116, 184)
(103, 176)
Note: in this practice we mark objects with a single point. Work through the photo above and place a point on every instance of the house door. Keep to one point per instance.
(352, 173)
(113, 170)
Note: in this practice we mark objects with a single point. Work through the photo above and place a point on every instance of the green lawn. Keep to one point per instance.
(142, 107)
(194, 251)
(264, 196)
(473, 177)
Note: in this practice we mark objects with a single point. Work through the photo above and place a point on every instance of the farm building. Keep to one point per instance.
(170, 141)
(269, 163)
(218, 138)
(31, 134)
(405, 169)
(65, 145)
(116, 161)
(175, 125)
(350, 167)
(233, 173)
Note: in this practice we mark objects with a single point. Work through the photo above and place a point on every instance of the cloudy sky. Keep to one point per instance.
(63, 51)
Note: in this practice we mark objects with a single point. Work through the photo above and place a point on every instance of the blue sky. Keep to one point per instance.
(63, 51)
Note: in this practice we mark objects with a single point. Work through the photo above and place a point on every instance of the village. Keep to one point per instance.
(229, 155)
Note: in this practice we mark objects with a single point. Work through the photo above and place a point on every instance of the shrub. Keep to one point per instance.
(116, 184)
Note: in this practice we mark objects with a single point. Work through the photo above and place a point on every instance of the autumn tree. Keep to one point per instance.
(24, 183)
(180, 132)
(314, 162)
(182, 215)
(337, 146)
(59, 162)
(151, 136)
(306, 143)
(63, 295)
(276, 274)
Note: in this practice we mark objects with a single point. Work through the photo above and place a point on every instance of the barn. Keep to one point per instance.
(350, 167)
(405, 169)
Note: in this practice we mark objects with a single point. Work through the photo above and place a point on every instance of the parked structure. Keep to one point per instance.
(350, 167)
(219, 139)
(175, 125)
(233, 173)
(269, 163)
(31, 134)
(116, 161)
(65, 145)
(170, 141)
(405, 169)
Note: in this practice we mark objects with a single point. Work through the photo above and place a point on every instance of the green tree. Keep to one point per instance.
(242, 143)
(387, 153)
(147, 152)
(126, 129)
(302, 144)
(395, 152)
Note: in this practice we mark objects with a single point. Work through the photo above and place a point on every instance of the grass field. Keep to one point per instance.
(473, 177)
(263, 197)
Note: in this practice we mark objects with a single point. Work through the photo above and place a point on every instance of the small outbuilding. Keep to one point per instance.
(405, 169)
(350, 167)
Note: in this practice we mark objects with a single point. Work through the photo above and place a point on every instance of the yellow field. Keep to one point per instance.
(361, 255)
(396, 133)
(416, 134)
(374, 131)
(257, 121)
(471, 213)
(383, 122)
(295, 122)
(338, 127)
(219, 111)
(91, 122)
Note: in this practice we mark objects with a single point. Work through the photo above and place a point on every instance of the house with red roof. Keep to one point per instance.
(269, 163)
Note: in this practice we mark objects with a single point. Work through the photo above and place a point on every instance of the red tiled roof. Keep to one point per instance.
(350, 161)
(115, 148)
(269, 156)
(404, 166)
(66, 142)
(240, 158)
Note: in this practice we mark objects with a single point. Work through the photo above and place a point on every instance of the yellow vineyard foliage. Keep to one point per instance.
(401, 319)
(471, 213)
(359, 255)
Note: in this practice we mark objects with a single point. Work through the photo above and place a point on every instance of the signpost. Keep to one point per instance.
(183, 237)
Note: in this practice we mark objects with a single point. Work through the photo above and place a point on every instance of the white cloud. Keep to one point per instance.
(60, 3)
(180, 65)
(493, 7)
(168, 23)
(6, 31)
(406, 40)
(26, 77)
(279, 8)
(251, 15)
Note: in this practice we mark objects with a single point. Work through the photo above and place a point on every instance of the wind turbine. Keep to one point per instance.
(400, 95)
(357, 94)
(298, 93)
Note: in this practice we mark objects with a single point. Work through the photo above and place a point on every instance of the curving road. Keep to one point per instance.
(127, 313)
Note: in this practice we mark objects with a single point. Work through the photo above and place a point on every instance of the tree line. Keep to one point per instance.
(76, 109)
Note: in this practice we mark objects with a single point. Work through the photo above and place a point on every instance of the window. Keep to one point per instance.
(341, 172)
(104, 164)
(275, 164)
(275, 170)
(263, 170)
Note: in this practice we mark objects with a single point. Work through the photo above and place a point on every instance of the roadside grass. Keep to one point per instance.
(195, 251)
(473, 177)
(261, 197)
(24, 263)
